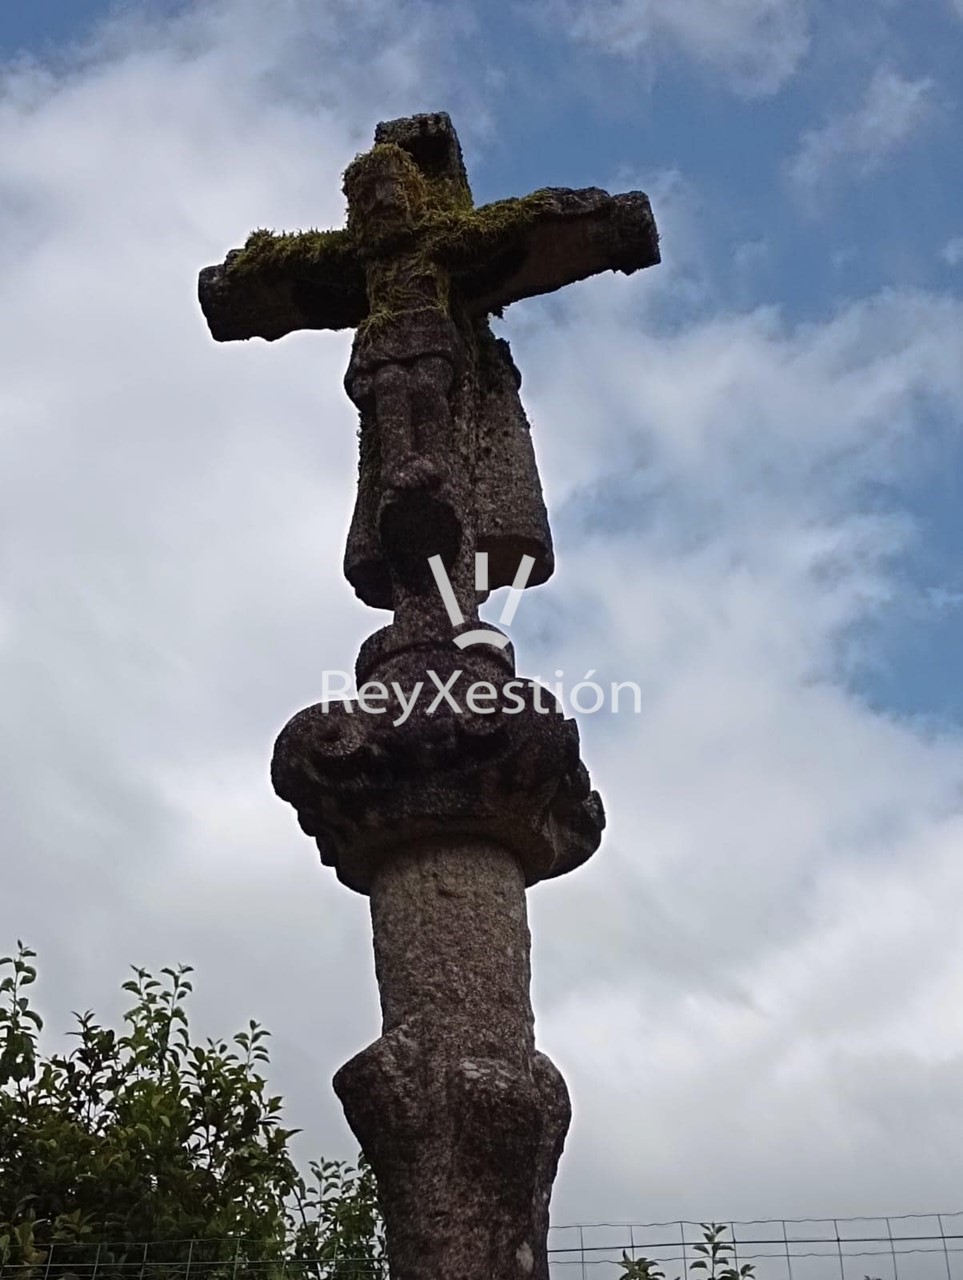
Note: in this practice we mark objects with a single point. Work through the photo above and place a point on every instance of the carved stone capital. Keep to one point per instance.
(491, 758)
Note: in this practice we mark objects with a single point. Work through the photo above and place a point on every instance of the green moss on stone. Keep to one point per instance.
(265, 250)
(470, 234)
(407, 231)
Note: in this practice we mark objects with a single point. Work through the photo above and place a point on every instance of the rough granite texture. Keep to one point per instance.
(361, 784)
(459, 1114)
(418, 270)
(443, 816)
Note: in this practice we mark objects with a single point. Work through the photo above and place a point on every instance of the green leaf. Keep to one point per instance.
(129, 1112)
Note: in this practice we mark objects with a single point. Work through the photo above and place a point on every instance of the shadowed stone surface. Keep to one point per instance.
(362, 785)
(417, 271)
(443, 810)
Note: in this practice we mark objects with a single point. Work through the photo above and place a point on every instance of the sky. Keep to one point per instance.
(752, 458)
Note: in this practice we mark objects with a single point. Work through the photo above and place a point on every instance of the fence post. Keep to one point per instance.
(788, 1254)
(892, 1249)
(946, 1252)
(839, 1250)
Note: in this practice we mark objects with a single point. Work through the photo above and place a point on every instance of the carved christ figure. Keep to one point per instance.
(446, 464)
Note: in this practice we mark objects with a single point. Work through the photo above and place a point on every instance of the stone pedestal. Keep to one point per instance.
(462, 1120)
(444, 820)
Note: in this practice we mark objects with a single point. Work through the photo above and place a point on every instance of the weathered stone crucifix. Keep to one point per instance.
(442, 808)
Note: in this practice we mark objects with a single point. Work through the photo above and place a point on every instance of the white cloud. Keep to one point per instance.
(172, 511)
(764, 958)
(952, 253)
(771, 913)
(756, 45)
(860, 141)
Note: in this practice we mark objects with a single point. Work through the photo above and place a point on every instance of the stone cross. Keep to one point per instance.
(459, 788)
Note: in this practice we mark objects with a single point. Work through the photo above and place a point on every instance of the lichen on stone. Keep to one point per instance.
(400, 285)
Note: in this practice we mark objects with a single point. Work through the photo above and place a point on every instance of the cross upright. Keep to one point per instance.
(417, 271)
(443, 814)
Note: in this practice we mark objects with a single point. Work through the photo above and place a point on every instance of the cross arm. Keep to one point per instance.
(277, 284)
(514, 249)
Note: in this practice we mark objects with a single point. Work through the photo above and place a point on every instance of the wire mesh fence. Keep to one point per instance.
(903, 1247)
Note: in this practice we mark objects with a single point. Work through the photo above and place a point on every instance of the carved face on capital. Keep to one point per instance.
(385, 191)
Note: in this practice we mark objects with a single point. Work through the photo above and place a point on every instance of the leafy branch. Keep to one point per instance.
(714, 1259)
